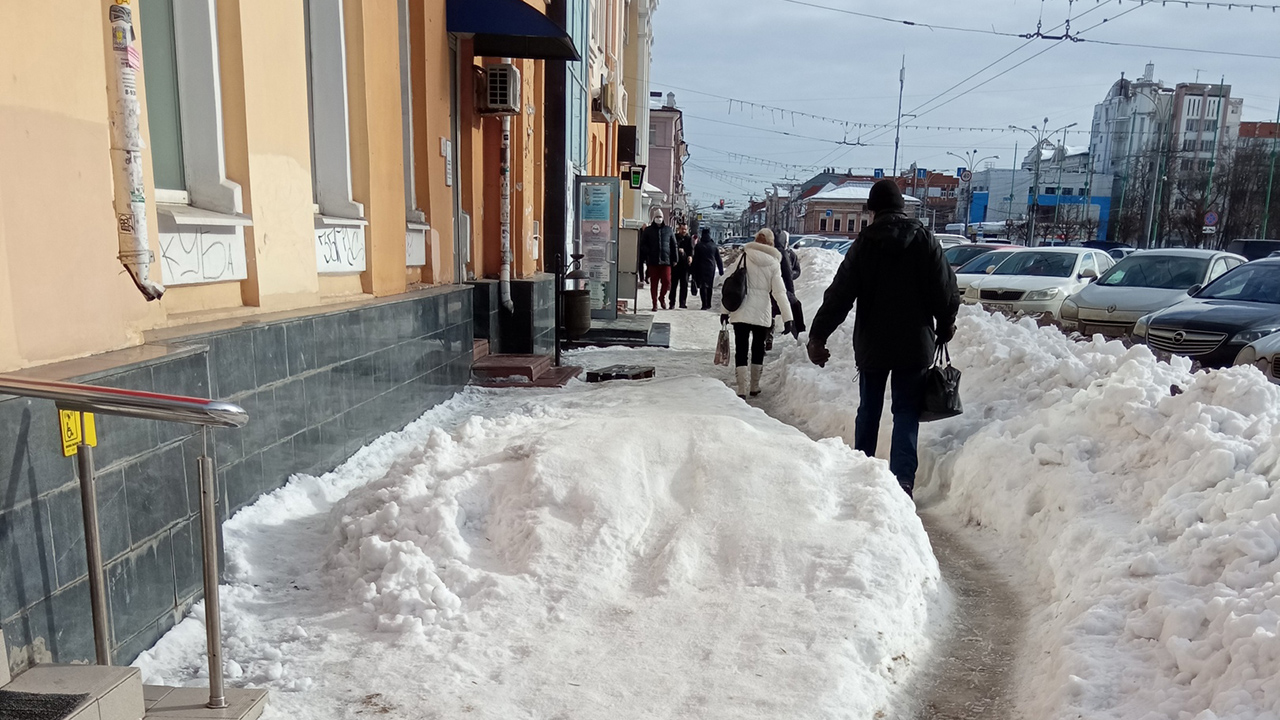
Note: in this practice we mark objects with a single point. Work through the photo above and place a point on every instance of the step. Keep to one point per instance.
(479, 349)
(556, 377)
(503, 367)
(620, 372)
(113, 693)
(166, 703)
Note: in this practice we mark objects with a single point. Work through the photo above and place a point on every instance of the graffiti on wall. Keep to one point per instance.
(203, 255)
(340, 249)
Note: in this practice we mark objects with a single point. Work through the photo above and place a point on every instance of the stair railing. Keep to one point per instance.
(147, 406)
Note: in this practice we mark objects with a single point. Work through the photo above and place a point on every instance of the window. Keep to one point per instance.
(864, 224)
(1193, 125)
(1206, 146)
(1051, 191)
(1186, 165)
(835, 225)
(1068, 191)
(1219, 267)
(163, 113)
(415, 241)
(339, 228)
(1211, 125)
(1088, 263)
(822, 225)
(200, 225)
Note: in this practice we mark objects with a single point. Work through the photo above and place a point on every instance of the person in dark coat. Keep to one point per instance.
(680, 271)
(706, 265)
(907, 304)
(657, 252)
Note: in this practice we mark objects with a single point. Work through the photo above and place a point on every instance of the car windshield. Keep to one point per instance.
(1247, 283)
(961, 254)
(1039, 263)
(979, 265)
(1167, 272)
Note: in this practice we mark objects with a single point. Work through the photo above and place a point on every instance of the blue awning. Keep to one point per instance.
(509, 28)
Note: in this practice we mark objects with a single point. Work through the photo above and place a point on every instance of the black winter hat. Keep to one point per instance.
(706, 233)
(885, 195)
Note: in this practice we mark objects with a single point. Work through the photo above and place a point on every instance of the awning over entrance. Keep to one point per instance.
(510, 28)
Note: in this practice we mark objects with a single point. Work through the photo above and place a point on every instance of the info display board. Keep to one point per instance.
(596, 228)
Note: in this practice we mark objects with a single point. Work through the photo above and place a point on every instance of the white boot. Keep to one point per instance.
(755, 379)
(742, 381)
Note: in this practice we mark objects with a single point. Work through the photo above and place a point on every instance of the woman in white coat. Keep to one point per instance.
(754, 318)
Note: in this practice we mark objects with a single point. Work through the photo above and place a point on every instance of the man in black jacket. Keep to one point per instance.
(907, 304)
(657, 252)
(680, 271)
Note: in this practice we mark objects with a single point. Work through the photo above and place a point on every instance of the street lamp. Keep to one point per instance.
(969, 165)
(1040, 134)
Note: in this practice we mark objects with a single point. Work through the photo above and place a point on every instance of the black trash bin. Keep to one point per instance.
(577, 313)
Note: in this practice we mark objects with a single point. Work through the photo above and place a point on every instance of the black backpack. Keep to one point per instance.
(795, 263)
(734, 291)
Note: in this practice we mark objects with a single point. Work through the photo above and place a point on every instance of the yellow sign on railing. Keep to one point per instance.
(76, 430)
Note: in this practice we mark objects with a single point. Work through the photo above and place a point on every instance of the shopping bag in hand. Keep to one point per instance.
(941, 398)
(722, 346)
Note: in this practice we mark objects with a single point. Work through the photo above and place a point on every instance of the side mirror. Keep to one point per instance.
(1089, 274)
(990, 269)
(1194, 289)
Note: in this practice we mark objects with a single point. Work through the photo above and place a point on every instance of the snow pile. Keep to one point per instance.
(1141, 497)
(653, 549)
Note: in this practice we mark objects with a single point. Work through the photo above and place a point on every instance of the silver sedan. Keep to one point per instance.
(1146, 281)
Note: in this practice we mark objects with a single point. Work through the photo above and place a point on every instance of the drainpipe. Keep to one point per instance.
(126, 152)
(504, 212)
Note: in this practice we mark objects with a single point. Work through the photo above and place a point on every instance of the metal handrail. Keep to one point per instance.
(148, 406)
(128, 403)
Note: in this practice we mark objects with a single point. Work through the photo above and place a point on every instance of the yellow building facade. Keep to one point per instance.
(250, 245)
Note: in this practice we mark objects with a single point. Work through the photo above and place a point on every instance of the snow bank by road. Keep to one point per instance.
(639, 550)
(1143, 499)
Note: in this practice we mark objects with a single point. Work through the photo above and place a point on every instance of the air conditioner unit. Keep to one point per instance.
(602, 106)
(501, 92)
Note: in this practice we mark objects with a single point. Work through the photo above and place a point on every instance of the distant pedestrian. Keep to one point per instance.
(680, 271)
(706, 265)
(753, 319)
(656, 253)
(907, 303)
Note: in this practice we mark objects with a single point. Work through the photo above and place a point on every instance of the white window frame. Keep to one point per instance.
(330, 117)
(416, 227)
(201, 229)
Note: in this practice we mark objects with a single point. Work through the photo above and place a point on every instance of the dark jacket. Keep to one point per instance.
(788, 271)
(706, 262)
(657, 246)
(904, 288)
(684, 248)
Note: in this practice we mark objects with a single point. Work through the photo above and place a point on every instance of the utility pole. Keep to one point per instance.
(1266, 206)
(1039, 133)
(1213, 158)
(1158, 178)
(897, 135)
(969, 166)
(1013, 180)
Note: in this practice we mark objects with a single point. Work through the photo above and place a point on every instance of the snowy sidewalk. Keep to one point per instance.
(629, 550)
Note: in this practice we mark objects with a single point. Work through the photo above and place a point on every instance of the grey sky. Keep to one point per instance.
(833, 64)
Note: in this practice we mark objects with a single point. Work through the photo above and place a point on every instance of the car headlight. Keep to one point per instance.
(1247, 356)
(1070, 311)
(1249, 336)
(1037, 295)
(1140, 327)
(971, 292)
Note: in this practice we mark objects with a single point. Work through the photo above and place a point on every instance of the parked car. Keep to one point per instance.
(840, 246)
(735, 241)
(1263, 354)
(948, 240)
(1036, 281)
(1216, 322)
(1117, 251)
(958, 255)
(981, 266)
(1253, 249)
(1141, 284)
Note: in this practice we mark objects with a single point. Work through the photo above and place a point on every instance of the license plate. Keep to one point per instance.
(1006, 308)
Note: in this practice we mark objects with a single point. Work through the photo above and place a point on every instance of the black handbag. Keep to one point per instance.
(941, 397)
(734, 290)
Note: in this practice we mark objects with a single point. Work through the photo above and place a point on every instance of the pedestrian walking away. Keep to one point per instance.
(907, 304)
(680, 272)
(753, 319)
(656, 253)
(706, 265)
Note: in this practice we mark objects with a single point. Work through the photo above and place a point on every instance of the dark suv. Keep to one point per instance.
(1253, 249)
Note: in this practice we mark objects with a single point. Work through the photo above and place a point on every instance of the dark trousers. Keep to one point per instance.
(908, 389)
(705, 292)
(659, 281)
(745, 336)
(679, 281)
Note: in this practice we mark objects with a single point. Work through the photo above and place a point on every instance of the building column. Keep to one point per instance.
(377, 142)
